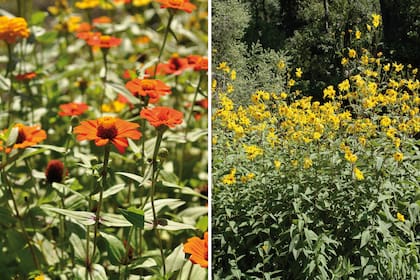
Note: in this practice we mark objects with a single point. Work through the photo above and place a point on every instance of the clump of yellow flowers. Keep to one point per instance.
(382, 106)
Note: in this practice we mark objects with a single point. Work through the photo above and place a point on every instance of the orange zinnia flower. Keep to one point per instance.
(198, 62)
(184, 5)
(204, 103)
(72, 109)
(199, 250)
(84, 27)
(103, 41)
(176, 65)
(129, 74)
(25, 76)
(27, 136)
(148, 87)
(86, 35)
(11, 29)
(162, 116)
(102, 19)
(108, 129)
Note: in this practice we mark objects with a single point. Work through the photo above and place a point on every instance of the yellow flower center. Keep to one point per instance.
(106, 128)
(105, 38)
(176, 2)
(148, 84)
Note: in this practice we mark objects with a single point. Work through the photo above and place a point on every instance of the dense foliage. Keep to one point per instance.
(103, 149)
(329, 189)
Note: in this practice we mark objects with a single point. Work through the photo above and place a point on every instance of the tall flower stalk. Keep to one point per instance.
(181, 164)
(101, 190)
(20, 221)
(155, 174)
(165, 37)
(105, 131)
(161, 118)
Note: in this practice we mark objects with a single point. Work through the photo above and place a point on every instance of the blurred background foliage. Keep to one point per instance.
(309, 34)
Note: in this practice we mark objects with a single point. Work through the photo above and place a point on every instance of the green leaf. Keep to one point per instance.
(370, 269)
(83, 217)
(115, 248)
(202, 223)
(111, 191)
(168, 225)
(50, 250)
(148, 263)
(13, 135)
(193, 213)
(176, 259)
(183, 189)
(372, 206)
(85, 158)
(48, 37)
(310, 235)
(193, 271)
(364, 238)
(160, 204)
(38, 17)
(136, 149)
(121, 89)
(97, 272)
(6, 217)
(114, 220)
(4, 83)
(78, 247)
(196, 134)
(133, 176)
(53, 148)
(192, 136)
(134, 216)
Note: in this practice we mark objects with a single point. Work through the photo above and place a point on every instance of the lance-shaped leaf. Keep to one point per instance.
(114, 220)
(111, 191)
(83, 217)
(134, 216)
(115, 248)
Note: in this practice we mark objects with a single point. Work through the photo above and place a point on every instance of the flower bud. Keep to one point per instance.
(54, 171)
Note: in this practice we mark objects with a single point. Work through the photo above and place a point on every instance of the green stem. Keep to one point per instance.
(165, 37)
(22, 226)
(194, 100)
(104, 56)
(130, 233)
(160, 131)
(98, 209)
(10, 59)
(181, 163)
(9, 71)
(62, 232)
(190, 272)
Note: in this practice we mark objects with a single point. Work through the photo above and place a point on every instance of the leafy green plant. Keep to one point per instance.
(305, 189)
(93, 181)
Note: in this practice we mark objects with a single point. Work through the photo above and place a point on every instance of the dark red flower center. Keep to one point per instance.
(106, 128)
(175, 63)
(21, 136)
(55, 171)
